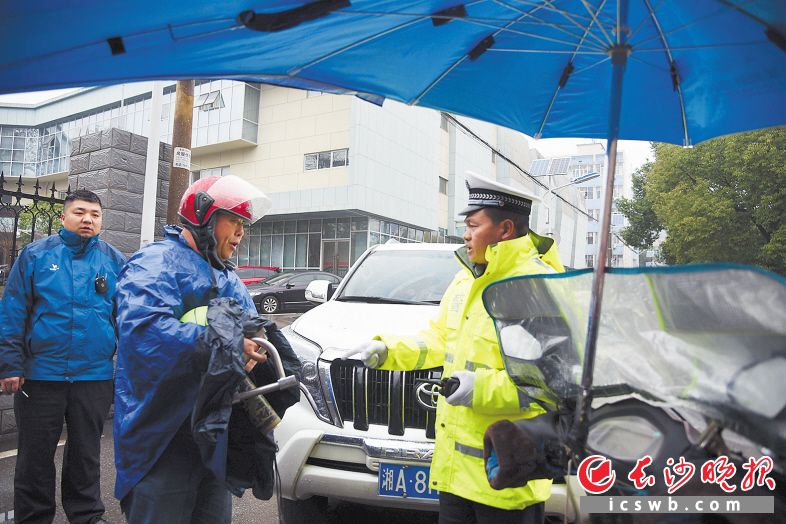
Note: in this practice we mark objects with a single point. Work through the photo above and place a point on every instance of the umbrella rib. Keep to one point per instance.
(643, 21)
(551, 24)
(718, 12)
(594, 15)
(673, 69)
(563, 80)
(547, 51)
(708, 46)
(437, 80)
(549, 4)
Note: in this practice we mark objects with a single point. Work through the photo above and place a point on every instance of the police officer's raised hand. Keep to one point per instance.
(462, 396)
(10, 385)
(252, 353)
(373, 353)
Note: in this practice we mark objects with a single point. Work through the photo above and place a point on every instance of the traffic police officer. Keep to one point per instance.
(497, 244)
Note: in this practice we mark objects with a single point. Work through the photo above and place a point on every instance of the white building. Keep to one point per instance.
(343, 174)
(591, 158)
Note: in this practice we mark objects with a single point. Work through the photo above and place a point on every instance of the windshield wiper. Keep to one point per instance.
(381, 300)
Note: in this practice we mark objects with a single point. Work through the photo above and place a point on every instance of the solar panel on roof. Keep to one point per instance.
(539, 167)
(559, 166)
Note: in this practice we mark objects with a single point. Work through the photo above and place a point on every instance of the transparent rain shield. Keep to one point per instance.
(710, 338)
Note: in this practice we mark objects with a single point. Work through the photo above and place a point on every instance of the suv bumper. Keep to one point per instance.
(319, 459)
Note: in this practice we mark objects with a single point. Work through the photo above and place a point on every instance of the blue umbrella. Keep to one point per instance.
(672, 71)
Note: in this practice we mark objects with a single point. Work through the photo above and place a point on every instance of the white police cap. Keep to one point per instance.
(484, 192)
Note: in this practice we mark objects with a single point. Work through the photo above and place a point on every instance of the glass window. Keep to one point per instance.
(314, 249)
(278, 228)
(340, 157)
(591, 237)
(264, 251)
(315, 226)
(289, 251)
(343, 228)
(310, 161)
(443, 186)
(277, 251)
(301, 251)
(419, 276)
(302, 226)
(373, 224)
(290, 226)
(329, 228)
(359, 224)
(359, 241)
(589, 260)
(267, 228)
(253, 251)
(324, 160)
(251, 104)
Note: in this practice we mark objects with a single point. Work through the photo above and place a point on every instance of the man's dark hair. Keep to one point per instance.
(83, 194)
(521, 222)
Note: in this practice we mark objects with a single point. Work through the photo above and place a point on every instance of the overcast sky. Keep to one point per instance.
(636, 152)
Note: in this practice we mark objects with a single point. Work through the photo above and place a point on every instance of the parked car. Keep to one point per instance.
(356, 425)
(254, 274)
(286, 291)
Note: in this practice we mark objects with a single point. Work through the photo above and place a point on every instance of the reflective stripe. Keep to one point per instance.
(472, 366)
(469, 450)
(423, 352)
(448, 358)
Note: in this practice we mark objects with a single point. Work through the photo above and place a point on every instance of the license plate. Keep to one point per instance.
(405, 481)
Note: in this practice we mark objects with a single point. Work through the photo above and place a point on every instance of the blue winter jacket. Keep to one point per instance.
(54, 324)
(157, 377)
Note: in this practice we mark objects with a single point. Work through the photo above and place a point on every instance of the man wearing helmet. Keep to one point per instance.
(160, 474)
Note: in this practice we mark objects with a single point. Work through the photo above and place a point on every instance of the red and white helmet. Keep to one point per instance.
(222, 193)
(228, 194)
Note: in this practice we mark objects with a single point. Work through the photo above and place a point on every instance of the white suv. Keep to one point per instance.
(357, 434)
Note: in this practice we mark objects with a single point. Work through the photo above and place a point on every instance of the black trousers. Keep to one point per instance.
(39, 418)
(457, 510)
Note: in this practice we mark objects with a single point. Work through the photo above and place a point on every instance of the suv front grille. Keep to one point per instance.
(371, 396)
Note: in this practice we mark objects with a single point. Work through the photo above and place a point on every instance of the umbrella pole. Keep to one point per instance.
(619, 56)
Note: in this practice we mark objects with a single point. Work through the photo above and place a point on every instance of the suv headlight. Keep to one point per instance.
(308, 353)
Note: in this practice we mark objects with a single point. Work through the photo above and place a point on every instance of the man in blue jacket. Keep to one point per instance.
(160, 473)
(56, 349)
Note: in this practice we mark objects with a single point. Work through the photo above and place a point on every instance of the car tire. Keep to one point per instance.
(312, 511)
(270, 305)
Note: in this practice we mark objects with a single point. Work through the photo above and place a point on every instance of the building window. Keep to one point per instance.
(617, 219)
(213, 171)
(616, 260)
(594, 214)
(210, 101)
(443, 186)
(589, 260)
(592, 237)
(598, 191)
(326, 159)
(443, 123)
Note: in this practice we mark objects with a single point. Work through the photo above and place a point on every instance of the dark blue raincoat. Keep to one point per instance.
(157, 374)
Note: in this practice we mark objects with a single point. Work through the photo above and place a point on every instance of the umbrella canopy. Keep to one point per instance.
(694, 69)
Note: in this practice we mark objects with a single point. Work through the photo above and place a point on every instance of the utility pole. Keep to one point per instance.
(181, 148)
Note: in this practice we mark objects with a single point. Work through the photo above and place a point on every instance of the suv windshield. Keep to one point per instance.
(402, 276)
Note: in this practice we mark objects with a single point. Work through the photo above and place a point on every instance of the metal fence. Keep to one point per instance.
(25, 217)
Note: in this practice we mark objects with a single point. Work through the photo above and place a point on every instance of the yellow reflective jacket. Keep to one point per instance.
(463, 337)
